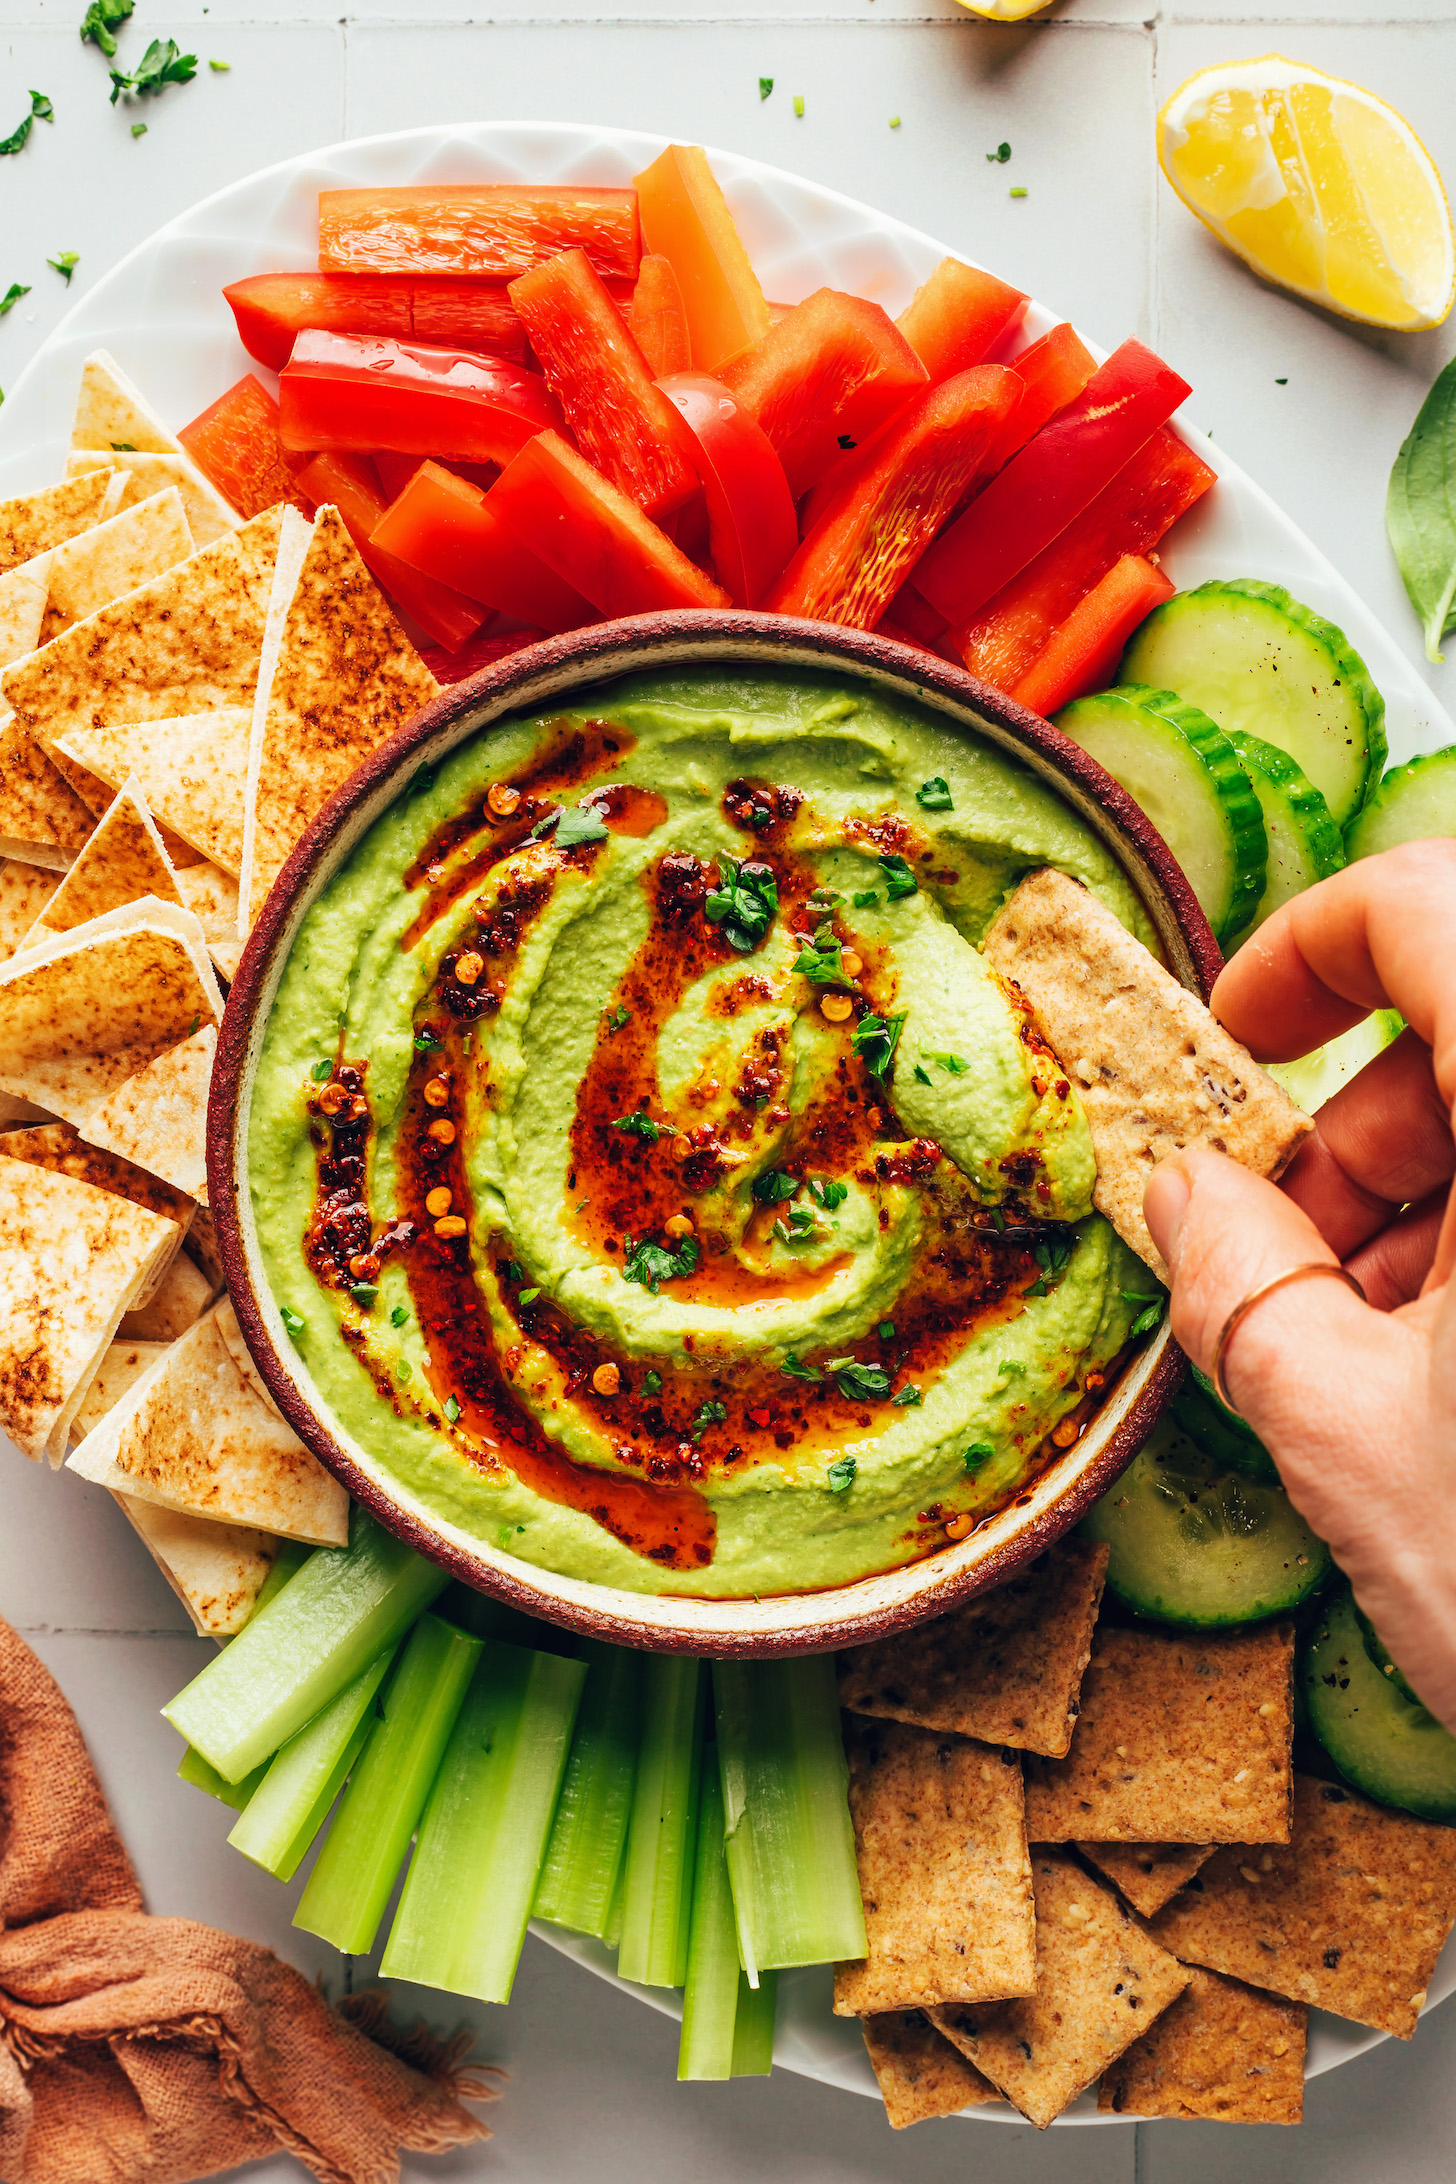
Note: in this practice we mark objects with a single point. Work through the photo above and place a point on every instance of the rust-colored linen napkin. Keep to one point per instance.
(137, 2050)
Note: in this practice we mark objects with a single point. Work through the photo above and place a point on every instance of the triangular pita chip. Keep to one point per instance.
(115, 558)
(242, 1357)
(208, 514)
(123, 862)
(185, 1294)
(338, 677)
(185, 642)
(227, 955)
(34, 522)
(112, 412)
(216, 1570)
(200, 1244)
(24, 592)
(24, 892)
(59, 1147)
(71, 1260)
(42, 820)
(120, 1369)
(192, 770)
(159, 1117)
(212, 896)
(192, 1436)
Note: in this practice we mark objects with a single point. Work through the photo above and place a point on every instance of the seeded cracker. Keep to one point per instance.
(1183, 1737)
(1005, 1668)
(1350, 1917)
(1222, 2050)
(920, 2074)
(1155, 1072)
(1148, 1874)
(1100, 1983)
(943, 1870)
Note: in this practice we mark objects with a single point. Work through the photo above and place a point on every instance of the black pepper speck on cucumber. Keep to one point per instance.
(1373, 1727)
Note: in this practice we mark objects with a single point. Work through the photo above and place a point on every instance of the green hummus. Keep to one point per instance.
(657, 1181)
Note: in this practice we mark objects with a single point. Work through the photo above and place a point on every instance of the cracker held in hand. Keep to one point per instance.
(123, 861)
(1222, 2050)
(192, 1436)
(1100, 1984)
(1006, 1667)
(1156, 1074)
(192, 772)
(143, 474)
(59, 1147)
(216, 1570)
(158, 1118)
(72, 1258)
(34, 522)
(919, 2073)
(1350, 1916)
(1183, 1737)
(943, 1871)
(338, 677)
(1148, 1874)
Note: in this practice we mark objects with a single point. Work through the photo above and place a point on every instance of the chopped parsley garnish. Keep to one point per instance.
(859, 1383)
(513, 1270)
(642, 1125)
(617, 1017)
(1010, 1366)
(1141, 1296)
(1001, 154)
(364, 1293)
(934, 794)
(293, 1321)
(65, 263)
(801, 1225)
(900, 881)
(765, 85)
(922, 1076)
(798, 1370)
(841, 1474)
(820, 965)
(774, 1187)
(139, 128)
(1038, 1288)
(422, 780)
(652, 1383)
(709, 1414)
(977, 1453)
(799, 105)
(101, 19)
(427, 1040)
(404, 1371)
(825, 897)
(1017, 192)
(11, 297)
(875, 1040)
(528, 1296)
(322, 1071)
(886, 1330)
(1148, 1320)
(866, 900)
(160, 65)
(653, 1264)
(399, 1316)
(828, 1195)
(894, 121)
(220, 68)
(1052, 1254)
(953, 1064)
(452, 1409)
(743, 904)
(583, 823)
(40, 110)
(908, 1398)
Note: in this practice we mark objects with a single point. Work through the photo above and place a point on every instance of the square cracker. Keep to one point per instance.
(1183, 1737)
(1155, 1072)
(1148, 1874)
(1006, 1667)
(920, 2074)
(943, 1870)
(1350, 1916)
(1222, 2050)
(1100, 1982)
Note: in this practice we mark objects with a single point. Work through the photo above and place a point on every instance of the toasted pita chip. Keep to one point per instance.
(1100, 1983)
(24, 892)
(1005, 1668)
(1183, 1737)
(1349, 1916)
(72, 1258)
(200, 1245)
(159, 1117)
(34, 522)
(338, 676)
(60, 1147)
(212, 896)
(920, 2074)
(1148, 1874)
(191, 1436)
(1222, 2050)
(1155, 1072)
(192, 770)
(242, 1357)
(120, 1369)
(216, 1570)
(943, 1871)
(186, 642)
(24, 593)
(208, 514)
(123, 862)
(113, 413)
(42, 820)
(184, 1296)
(115, 558)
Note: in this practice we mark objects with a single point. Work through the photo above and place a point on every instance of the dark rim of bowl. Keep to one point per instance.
(593, 652)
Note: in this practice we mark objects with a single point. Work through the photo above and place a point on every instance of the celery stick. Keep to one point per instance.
(710, 1997)
(289, 1560)
(753, 2028)
(584, 1855)
(785, 1795)
(612, 1924)
(345, 1607)
(194, 1769)
(349, 1886)
(468, 1894)
(292, 1801)
(657, 1896)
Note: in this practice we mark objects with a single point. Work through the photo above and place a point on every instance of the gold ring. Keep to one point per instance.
(1246, 1305)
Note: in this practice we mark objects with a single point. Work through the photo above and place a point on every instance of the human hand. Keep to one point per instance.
(1355, 1402)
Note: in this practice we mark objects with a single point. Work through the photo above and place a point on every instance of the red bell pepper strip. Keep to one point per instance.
(752, 529)
(235, 443)
(360, 391)
(656, 318)
(1050, 481)
(481, 652)
(685, 219)
(956, 318)
(1083, 654)
(1129, 516)
(824, 379)
(476, 231)
(623, 422)
(347, 482)
(447, 527)
(273, 309)
(596, 540)
(904, 483)
(1053, 372)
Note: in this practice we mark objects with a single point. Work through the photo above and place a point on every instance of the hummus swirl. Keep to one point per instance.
(659, 1183)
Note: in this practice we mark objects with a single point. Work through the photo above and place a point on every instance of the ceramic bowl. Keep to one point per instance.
(560, 670)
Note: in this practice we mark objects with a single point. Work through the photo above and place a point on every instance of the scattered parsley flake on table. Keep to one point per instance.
(160, 65)
(765, 85)
(1019, 192)
(101, 19)
(65, 263)
(799, 106)
(220, 68)
(1001, 154)
(41, 109)
(11, 297)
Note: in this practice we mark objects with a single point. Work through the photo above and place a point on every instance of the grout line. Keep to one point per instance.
(1155, 205)
(93, 1630)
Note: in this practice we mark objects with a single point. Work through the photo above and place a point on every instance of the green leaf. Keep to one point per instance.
(1001, 154)
(900, 881)
(1420, 511)
(841, 1474)
(908, 1398)
(364, 1293)
(765, 85)
(1012, 1367)
(220, 68)
(875, 1040)
(868, 900)
(976, 1454)
(65, 263)
(40, 110)
(101, 19)
(821, 966)
(583, 823)
(399, 1315)
(1038, 1288)
(513, 1271)
(797, 1370)
(652, 1383)
(708, 1414)
(774, 1187)
(952, 1064)
(293, 1321)
(138, 128)
(322, 1071)
(886, 1330)
(160, 65)
(1147, 1321)
(11, 297)
(859, 1383)
(404, 1371)
(743, 904)
(642, 1126)
(934, 794)
(617, 1017)
(427, 1040)
(652, 1264)
(452, 1409)
(528, 1296)
(922, 1076)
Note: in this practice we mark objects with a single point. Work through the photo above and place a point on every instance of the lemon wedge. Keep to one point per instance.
(1316, 184)
(1005, 11)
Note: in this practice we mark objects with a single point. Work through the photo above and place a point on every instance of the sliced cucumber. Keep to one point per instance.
(1388, 1745)
(1182, 769)
(1414, 803)
(1221, 1434)
(1261, 663)
(1305, 845)
(1316, 1077)
(1200, 1545)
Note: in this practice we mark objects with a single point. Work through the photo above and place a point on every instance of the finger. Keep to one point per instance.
(1382, 933)
(1383, 1141)
(1392, 1268)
